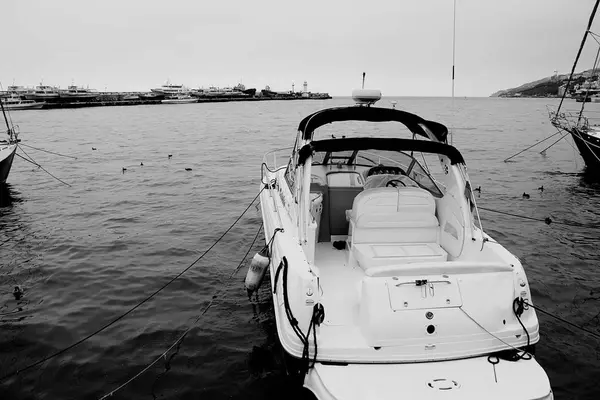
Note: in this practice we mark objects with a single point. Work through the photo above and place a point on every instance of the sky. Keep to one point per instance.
(404, 46)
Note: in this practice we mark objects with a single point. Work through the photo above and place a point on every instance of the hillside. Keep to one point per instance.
(545, 87)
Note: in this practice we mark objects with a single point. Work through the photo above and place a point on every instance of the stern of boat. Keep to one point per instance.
(473, 378)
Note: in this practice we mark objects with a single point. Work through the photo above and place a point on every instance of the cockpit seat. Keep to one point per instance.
(391, 226)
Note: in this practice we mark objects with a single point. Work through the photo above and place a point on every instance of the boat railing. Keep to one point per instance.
(277, 157)
(275, 160)
(569, 119)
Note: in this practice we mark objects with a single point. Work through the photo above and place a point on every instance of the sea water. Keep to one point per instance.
(86, 253)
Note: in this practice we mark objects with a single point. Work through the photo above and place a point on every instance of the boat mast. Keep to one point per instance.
(9, 131)
(577, 58)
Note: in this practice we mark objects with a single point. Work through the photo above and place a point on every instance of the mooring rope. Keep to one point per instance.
(180, 339)
(38, 165)
(595, 334)
(533, 145)
(546, 220)
(106, 326)
(48, 151)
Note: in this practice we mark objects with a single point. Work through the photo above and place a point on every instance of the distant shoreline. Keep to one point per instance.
(109, 103)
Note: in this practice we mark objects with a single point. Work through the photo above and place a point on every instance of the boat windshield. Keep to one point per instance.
(383, 163)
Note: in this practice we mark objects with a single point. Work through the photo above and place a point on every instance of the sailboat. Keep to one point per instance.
(583, 129)
(8, 147)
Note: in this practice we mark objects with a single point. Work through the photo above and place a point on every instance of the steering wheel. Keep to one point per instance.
(393, 183)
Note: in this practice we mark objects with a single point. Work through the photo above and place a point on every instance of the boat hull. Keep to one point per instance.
(473, 378)
(589, 148)
(7, 154)
(42, 97)
(31, 106)
(179, 101)
(78, 97)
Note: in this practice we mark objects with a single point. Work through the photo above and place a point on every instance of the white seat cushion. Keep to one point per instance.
(369, 255)
(398, 227)
(389, 200)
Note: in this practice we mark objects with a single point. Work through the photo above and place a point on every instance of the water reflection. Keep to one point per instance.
(591, 179)
(8, 195)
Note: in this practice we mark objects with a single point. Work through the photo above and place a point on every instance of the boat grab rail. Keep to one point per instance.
(275, 156)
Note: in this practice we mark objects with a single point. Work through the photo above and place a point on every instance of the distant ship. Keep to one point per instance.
(18, 90)
(238, 90)
(169, 90)
(74, 92)
(268, 92)
(241, 88)
(180, 99)
(43, 93)
(151, 96)
(14, 102)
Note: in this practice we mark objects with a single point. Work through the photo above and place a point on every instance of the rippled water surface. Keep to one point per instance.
(86, 253)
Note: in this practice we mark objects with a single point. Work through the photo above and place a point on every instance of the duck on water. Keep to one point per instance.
(384, 284)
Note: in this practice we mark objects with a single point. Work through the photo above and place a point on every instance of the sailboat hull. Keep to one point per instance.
(589, 148)
(7, 154)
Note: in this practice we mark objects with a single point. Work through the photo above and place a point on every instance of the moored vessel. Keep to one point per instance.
(384, 284)
(14, 102)
(8, 147)
(180, 99)
(169, 89)
(77, 93)
(43, 93)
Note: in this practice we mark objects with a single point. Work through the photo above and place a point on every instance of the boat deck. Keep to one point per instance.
(340, 297)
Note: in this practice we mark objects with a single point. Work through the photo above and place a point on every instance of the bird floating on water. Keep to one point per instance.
(188, 169)
(142, 164)
(124, 169)
(478, 189)
(541, 188)
(93, 148)
(18, 292)
(170, 155)
(525, 195)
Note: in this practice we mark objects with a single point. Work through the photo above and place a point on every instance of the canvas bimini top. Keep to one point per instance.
(371, 114)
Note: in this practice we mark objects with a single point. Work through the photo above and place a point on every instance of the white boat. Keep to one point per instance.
(15, 102)
(76, 93)
(171, 90)
(43, 92)
(181, 99)
(384, 285)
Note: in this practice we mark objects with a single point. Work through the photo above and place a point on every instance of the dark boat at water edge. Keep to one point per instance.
(8, 148)
(588, 144)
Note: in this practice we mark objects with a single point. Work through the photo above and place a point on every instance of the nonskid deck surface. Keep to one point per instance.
(340, 297)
